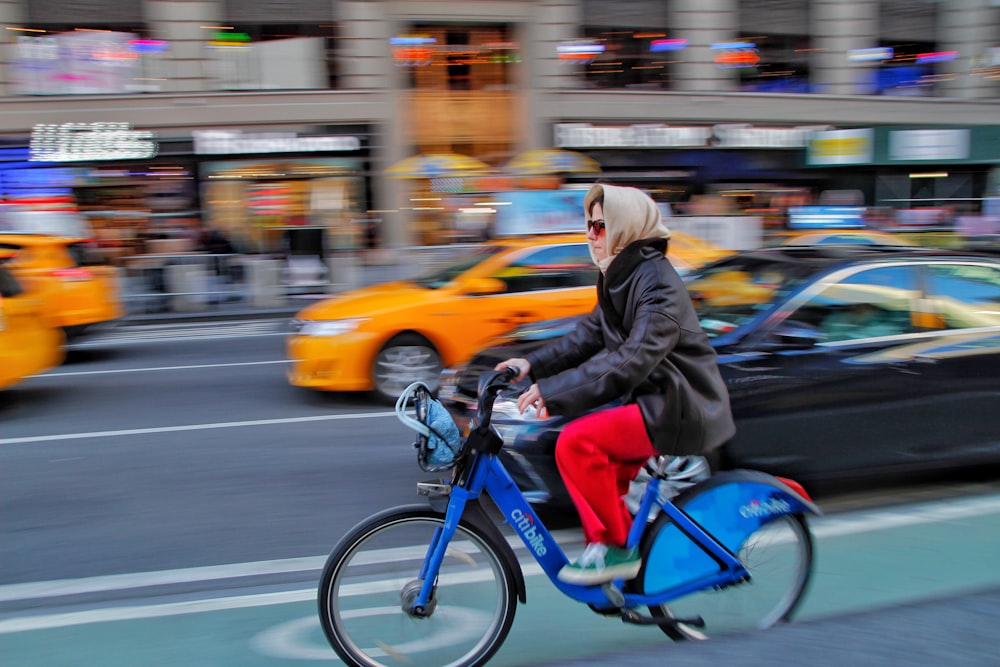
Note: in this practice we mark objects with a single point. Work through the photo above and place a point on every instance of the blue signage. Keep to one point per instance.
(826, 217)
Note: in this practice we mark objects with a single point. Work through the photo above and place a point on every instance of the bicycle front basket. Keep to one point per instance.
(438, 438)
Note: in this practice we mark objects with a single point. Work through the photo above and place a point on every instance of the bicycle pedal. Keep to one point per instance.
(433, 488)
(614, 595)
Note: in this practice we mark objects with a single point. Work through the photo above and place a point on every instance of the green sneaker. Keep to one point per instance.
(600, 564)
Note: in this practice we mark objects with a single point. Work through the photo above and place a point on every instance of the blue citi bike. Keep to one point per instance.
(438, 583)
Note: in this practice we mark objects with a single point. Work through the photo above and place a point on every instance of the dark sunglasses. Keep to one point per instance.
(596, 226)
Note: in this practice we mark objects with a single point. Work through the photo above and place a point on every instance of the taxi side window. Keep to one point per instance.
(962, 296)
(554, 267)
(9, 287)
(867, 304)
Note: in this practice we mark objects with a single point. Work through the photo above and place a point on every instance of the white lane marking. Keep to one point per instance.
(182, 332)
(189, 427)
(850, 523)
(116, 582)
(50, 621)
(908, 515)
(162, 368)
(292, 640)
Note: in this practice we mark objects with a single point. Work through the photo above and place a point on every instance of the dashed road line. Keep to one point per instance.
(190, 427)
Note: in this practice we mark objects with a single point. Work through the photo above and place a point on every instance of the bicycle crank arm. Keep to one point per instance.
(632, 616)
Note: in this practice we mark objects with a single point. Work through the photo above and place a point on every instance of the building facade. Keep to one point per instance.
(262, 116)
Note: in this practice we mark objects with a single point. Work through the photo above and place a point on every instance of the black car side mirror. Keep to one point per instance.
(793, 336)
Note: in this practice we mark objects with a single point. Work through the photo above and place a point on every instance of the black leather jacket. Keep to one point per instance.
(643, 343)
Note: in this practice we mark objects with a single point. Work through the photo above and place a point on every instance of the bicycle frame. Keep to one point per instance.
(486, 472)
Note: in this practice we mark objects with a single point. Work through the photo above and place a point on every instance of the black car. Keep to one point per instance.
(842, 363)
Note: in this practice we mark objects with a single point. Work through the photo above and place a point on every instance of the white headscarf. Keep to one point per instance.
(629, 215)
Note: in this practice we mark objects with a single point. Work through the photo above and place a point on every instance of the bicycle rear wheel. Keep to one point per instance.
(779, 559)
(373, 573)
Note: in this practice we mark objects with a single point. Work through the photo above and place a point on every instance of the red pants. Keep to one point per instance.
(598, 455)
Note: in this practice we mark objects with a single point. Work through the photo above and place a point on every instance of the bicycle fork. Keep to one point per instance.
(418, 596)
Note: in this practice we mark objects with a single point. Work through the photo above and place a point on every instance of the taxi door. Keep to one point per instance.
(536, 284)
(27, 345)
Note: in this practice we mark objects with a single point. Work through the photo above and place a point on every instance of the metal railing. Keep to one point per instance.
(201, 282)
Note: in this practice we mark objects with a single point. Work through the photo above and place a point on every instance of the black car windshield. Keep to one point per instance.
(440, 277)
(730, 292)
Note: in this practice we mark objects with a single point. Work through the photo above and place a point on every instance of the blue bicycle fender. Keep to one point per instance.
(730, 506)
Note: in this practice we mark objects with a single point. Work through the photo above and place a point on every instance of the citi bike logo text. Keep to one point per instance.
(769, 507)
(526, 526)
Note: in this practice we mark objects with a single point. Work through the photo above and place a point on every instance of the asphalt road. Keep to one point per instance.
(173, 465)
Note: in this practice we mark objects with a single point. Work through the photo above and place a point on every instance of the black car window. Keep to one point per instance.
(866, 304)
(553, 267)
(729, 293)
(961, 296)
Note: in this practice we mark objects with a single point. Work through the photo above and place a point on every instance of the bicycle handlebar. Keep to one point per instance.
(490, 384)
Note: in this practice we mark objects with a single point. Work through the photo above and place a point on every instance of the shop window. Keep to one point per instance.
(624, 57)
(75, 59)
(272, 56)
(457, 57)
(769, 63)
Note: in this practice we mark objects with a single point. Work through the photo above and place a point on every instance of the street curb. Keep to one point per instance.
(212, 316)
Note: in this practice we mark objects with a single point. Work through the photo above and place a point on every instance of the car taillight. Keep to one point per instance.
(72, 274)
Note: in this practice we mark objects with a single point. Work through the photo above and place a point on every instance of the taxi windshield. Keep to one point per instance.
(440, 277)
(730, 292)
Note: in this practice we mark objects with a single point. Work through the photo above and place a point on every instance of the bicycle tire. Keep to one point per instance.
(779, 558)
(375, 567)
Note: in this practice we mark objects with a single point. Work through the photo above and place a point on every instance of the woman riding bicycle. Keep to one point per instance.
(643, 344)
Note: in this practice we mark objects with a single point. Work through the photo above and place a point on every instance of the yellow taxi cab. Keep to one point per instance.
(77, 293)
(845, 237)
(384, 337)
(27, 344)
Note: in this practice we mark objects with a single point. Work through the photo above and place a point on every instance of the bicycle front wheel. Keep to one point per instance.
(372, 577)
(778, 557)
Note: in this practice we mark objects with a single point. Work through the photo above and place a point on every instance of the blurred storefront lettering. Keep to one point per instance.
(83, 142)
(585, 135)
(216, 142)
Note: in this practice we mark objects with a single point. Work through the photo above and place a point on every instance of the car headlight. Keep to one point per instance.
(329, 327)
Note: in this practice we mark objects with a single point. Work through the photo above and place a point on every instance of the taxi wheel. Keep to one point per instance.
(405, 359)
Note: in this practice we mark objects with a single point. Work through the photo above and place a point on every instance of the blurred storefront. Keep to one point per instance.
(718, 170)
(259, 189)
(924, 180)
(486, 80)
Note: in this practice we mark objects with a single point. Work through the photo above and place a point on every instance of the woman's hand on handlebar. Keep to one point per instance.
(532, 398)
(521, 365)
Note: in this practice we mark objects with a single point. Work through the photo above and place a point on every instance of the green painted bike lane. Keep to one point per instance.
(863, 561)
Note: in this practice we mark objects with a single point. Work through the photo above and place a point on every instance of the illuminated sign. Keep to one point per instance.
(658, 45)
(872, 54)
(78, 142)
(579, 52)
(929, 145)
(227, 142)
(841, 147)
(584, 135)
